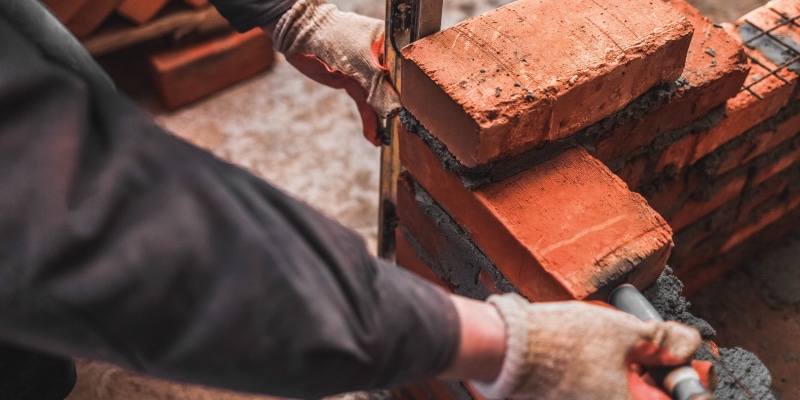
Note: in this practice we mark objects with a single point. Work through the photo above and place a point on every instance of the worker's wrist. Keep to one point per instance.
(482, 345)
(514, 311)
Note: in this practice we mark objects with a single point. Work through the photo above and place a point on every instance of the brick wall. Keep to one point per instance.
(557, 149)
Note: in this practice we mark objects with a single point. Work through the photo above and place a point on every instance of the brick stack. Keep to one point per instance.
(182, 72)
(719, 160)
(539, 135)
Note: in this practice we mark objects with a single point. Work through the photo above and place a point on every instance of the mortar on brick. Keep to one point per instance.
(741, 375)
(479, 176)
(458, 261)
(598, 58)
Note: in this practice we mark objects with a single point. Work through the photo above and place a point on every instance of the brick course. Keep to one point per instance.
(567, 228)
(508, 93)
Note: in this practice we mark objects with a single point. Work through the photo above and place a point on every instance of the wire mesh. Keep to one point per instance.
(783, 52)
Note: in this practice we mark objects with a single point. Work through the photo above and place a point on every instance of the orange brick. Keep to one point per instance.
(408, 258)
(189, 74)
(758, 195)
(694, 209)
(487, 89)
(90, 16)
(678, 154)
(140, 11)
(776, 167)
(65, 9)
(633, 171)
(766, 219)
(746, 110)
(454, 259)
(567, 228)
(769, 139)
(714, 72)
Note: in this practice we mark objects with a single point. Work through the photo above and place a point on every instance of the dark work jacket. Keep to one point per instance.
(122, 243)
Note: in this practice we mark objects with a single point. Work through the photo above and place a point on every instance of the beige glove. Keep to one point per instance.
(341, 50)
(576, 350)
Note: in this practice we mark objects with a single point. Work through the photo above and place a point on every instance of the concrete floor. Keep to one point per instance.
(306, 139)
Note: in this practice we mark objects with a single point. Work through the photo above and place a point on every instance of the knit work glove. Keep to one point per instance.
(341, 50)
(576, 350)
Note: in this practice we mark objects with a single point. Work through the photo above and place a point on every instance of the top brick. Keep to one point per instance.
(535, 71)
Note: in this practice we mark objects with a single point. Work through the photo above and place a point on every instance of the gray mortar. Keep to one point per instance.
(476, 177)
(665, 295)
(741, 375)
(705, 171)
(460, 251)
(774, 46)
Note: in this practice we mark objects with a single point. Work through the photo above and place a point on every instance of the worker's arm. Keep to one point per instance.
(119, 242)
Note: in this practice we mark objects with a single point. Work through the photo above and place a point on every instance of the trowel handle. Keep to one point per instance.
(681, 382)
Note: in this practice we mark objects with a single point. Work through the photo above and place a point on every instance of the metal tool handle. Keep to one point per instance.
(406, 21)
(681, 382)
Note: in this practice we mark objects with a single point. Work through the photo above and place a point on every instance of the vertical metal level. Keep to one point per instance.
(406, 21)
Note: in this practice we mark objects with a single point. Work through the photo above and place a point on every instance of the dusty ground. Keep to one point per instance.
(306, 139)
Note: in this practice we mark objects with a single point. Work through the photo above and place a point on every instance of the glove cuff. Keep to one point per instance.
(513, 310)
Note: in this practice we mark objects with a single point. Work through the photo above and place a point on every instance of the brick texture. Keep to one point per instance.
(186, 75)
(568, 228)
(714, 71)
(533, 128)
(507, 93)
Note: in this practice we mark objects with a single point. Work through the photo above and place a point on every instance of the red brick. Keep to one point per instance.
(776, 167)
(588, 60)
(90, 16)
(188, 74)
(567, 228)
(64, 9)
(769, 139)
(411, 217)
(733, 157)
(678, 154)
(633, 171)
(408, 259)
(760, 194)
(435, 243)
(693, 209)
(710, 81)
(667, 198)
(766, 219)
(140, 11)
(746, 110)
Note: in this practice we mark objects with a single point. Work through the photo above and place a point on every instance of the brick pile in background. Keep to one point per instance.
(191, 52)
(526, 160)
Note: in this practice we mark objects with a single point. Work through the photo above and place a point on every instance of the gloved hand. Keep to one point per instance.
(576, 350)
(341, 50)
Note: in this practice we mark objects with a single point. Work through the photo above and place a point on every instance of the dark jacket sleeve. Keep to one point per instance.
(121, 243)
(248, 14)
